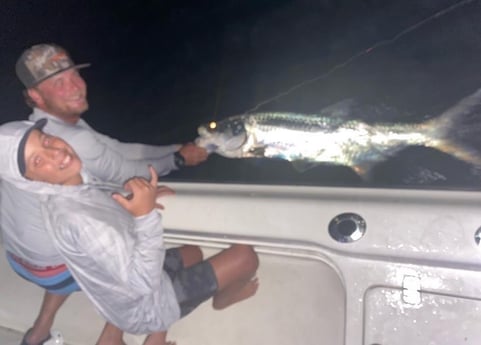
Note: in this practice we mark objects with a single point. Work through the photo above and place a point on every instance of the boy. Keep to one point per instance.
(113, 244)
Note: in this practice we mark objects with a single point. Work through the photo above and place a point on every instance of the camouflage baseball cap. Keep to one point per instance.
(41, 62)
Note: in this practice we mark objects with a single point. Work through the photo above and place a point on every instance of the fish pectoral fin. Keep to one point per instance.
(363, 170)
(257, 151)
(303, 165)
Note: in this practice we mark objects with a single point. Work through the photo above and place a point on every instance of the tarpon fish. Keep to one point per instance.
(330, 138)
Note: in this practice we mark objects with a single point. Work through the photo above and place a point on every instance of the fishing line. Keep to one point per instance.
(219, 85)
(363, 52)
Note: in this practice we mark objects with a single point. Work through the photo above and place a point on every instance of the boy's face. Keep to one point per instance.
(50, 159)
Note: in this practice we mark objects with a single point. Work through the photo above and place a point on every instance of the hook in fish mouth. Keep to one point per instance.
(220, 142)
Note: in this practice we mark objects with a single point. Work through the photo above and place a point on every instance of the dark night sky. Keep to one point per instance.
(160, 68)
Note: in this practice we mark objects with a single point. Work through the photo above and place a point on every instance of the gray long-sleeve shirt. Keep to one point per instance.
(106, 158)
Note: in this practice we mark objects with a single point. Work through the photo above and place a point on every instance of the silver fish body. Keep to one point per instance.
(308, 140)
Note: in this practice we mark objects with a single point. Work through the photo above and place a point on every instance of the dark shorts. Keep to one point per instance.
(192, 285)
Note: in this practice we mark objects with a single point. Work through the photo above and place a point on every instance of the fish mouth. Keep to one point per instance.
(202, 131)
(215, 141)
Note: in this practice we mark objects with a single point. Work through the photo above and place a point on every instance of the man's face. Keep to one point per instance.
(50, 159)
(64, 94)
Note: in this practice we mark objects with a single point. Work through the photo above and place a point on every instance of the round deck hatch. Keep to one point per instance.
(347, 227)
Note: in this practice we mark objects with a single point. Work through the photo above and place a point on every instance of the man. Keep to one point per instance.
(55, 90)
(113, 244)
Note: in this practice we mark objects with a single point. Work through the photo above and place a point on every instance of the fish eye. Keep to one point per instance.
(237, 127)
(232, 127)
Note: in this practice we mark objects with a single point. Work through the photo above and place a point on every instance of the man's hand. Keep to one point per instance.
(193, 154)
(142, 199)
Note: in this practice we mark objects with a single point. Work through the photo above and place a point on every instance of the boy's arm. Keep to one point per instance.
(99, 254)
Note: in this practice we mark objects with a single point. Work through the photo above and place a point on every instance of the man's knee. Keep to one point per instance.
(191, 255)
(247, 255)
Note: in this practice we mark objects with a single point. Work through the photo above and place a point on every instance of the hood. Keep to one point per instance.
(12, 141)
(13, 136)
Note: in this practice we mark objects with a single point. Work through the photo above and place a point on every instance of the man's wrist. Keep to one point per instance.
(179, 160)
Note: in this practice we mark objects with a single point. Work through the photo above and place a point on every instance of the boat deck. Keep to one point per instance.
(10, 337)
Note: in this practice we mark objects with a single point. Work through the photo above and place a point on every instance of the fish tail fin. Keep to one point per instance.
(449, 130)
(443, 125)
(459, 151)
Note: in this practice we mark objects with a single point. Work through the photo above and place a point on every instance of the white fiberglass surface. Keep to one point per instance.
(434, 319)
(299, 300)
(10, 337)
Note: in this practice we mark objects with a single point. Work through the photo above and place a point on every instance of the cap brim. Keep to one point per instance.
(79, 66)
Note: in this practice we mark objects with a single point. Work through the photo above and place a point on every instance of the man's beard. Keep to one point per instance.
(68, 111)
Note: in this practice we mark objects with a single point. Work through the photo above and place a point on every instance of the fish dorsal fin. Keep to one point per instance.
(341, 110)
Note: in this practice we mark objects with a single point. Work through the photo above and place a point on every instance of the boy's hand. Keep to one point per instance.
(161, 191)
(142, 199)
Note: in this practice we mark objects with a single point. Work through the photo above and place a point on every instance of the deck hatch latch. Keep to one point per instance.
(411, 293)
